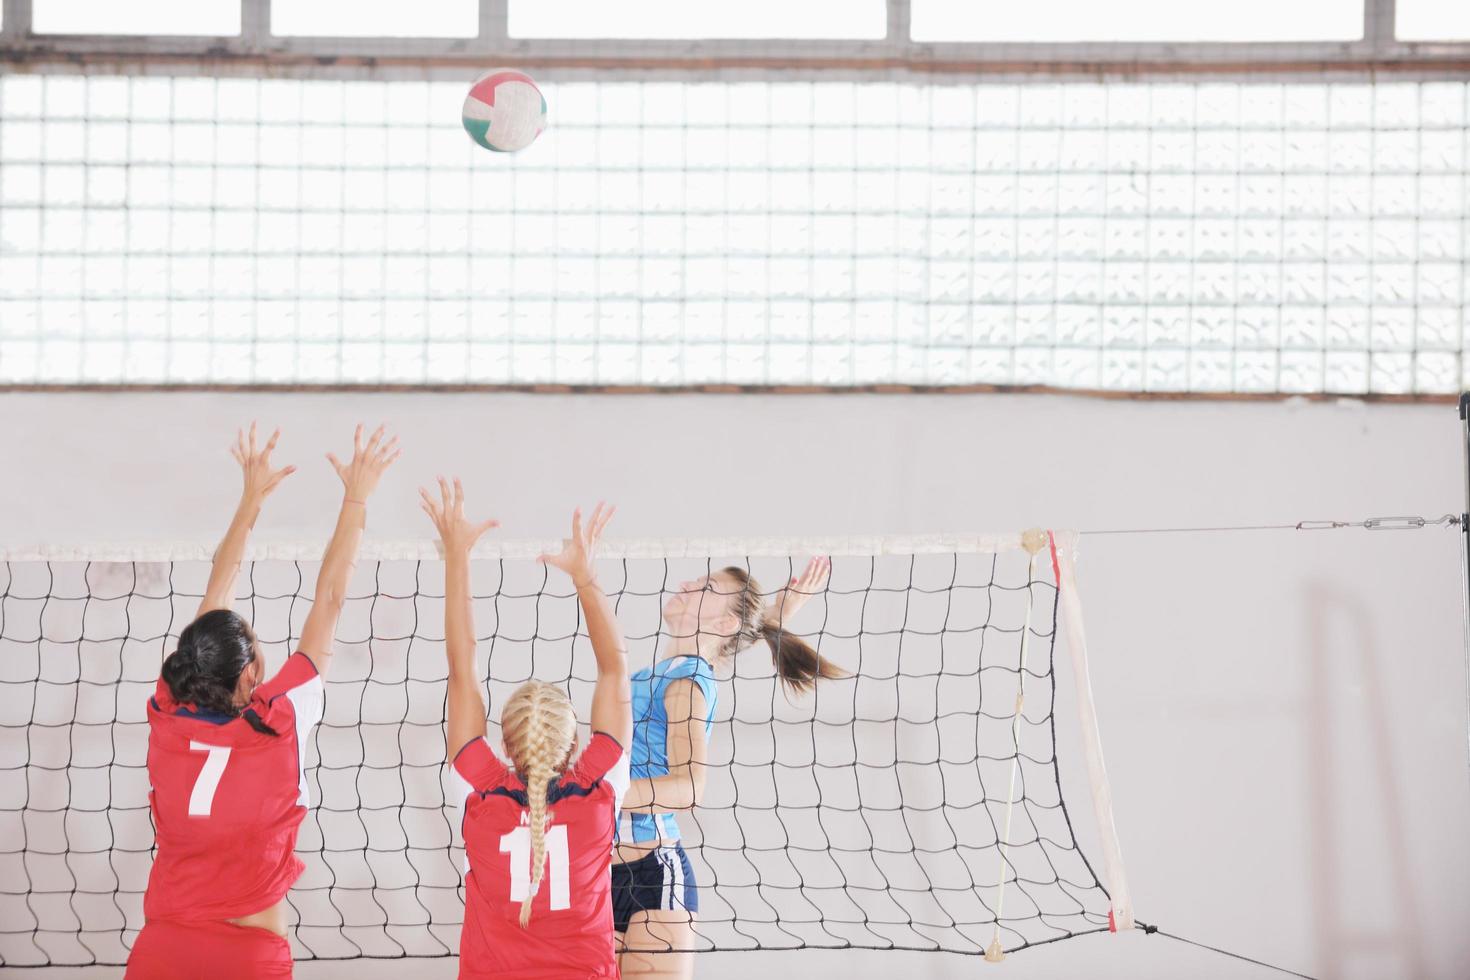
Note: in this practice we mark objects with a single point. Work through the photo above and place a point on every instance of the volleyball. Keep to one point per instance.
(504, 110)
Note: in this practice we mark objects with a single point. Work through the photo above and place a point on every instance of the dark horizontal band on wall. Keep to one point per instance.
(730, 60)
(731, 389)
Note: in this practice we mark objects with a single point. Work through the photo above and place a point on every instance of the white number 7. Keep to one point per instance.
(202, 799)
(517, 843)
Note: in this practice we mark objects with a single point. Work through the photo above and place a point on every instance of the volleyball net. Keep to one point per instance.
(917, 804)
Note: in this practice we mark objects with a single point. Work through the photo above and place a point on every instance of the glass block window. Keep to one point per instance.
(139, 17)
(678, 19)
(1204, 237)
(375, 18)
(1432, 20)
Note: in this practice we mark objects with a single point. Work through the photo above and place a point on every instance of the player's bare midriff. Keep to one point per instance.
(272, 919)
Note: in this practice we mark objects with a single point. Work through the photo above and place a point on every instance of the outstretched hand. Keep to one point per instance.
(457, 533)
(579, 552)
(360, 476)
(799, 591)
(260, 479)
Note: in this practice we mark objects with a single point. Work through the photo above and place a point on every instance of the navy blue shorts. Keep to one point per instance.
(662, 879)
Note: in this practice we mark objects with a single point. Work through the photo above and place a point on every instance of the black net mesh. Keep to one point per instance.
(867, 814)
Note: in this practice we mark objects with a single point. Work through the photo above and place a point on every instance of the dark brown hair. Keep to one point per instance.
(205, 670)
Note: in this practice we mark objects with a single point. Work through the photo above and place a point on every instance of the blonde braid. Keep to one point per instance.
(540, 730)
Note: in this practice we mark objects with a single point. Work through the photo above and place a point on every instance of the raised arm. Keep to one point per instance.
(612, 701)
(466, 707)
(260, 481)
(798, 592)
(359, 480)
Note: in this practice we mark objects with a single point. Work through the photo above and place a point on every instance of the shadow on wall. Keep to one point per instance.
(1357, 934)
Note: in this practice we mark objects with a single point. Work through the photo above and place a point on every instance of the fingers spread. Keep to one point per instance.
(607, 515)
(280, 475)
(816, 574)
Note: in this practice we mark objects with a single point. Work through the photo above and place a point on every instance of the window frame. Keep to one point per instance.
(254, 48)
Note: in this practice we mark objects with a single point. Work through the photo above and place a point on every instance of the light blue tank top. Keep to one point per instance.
(649, 753)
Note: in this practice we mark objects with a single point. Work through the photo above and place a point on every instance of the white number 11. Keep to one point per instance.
(517, 844)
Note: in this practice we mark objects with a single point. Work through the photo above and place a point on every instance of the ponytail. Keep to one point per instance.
(254, 721)
(205, 670)
(797, 662)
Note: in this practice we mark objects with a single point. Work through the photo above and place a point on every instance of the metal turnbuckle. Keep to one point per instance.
(1383, 523)
(1408, 523)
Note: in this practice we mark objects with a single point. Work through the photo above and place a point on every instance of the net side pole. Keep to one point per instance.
(1063, 556)
(1465, 559)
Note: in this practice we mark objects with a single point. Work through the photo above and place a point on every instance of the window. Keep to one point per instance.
(375, 18)
(850, 19)
(1433, 20)
(176, 17)
(1166, 236)
(1137, 20)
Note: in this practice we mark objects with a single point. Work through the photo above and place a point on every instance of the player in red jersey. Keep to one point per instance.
(225, 752)
(538, 900)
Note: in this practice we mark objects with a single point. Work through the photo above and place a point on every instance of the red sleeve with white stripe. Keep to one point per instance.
(600, 756)
(479, 765)
(297, 670)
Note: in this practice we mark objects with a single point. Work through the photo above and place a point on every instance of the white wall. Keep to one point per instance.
(1283, 712)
